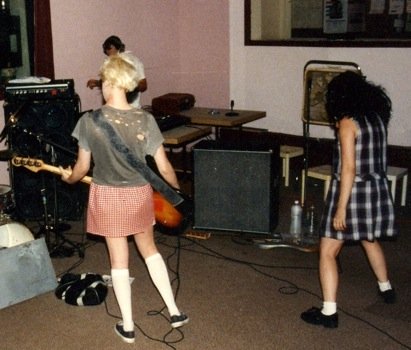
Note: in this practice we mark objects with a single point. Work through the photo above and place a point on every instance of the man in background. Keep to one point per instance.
(112, 46)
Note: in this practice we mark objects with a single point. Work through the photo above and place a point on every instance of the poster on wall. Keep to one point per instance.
(344, 16)
(335, 16)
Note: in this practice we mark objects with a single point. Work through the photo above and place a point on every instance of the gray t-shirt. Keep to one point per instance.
(139, 131)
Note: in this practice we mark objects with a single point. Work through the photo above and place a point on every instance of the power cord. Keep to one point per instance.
(291, 287)
(153, 313)
(78, 262)
(166, 337)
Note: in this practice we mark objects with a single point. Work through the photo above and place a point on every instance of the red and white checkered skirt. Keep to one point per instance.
(119, 211)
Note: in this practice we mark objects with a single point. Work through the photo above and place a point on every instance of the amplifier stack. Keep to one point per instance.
(40, 91)
(39, 119)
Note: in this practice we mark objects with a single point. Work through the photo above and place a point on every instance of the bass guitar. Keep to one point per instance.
(165, 213)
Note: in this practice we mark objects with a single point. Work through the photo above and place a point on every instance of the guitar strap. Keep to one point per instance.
(156, 181)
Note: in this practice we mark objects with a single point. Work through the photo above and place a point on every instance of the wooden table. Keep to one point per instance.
(181, 136)
(217, 117)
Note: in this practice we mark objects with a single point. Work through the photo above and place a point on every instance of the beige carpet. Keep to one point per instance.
(237, 296)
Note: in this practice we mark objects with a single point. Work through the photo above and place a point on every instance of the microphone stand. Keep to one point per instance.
(11, 121)
(231, 113)
(59, 247)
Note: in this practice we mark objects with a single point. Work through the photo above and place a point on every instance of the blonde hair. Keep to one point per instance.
(119, 70)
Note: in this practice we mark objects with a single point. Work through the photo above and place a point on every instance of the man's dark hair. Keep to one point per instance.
(113, 41)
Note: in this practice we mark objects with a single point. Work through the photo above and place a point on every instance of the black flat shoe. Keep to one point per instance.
(179, 320)
(388, 296)
(315, 316)
(126, 336)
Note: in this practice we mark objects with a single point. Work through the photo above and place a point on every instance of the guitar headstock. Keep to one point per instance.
(32, 164)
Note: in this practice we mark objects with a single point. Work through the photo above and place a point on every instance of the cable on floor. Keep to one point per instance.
(291, 287)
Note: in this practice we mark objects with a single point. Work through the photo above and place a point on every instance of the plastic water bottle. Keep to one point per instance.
(296, 222)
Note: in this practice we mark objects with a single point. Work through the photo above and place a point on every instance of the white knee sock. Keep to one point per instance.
(329, 308)
(122, 290)
(159, 275)
(384, 286)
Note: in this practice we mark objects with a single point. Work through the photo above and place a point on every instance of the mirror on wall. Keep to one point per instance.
(385, 23)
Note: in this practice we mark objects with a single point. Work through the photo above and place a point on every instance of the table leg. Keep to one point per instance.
(404, 189)
(287, 170)
(326, 187)
(393, 188)
(302, 187)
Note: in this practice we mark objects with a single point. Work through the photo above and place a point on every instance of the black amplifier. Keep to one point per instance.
(40, 91)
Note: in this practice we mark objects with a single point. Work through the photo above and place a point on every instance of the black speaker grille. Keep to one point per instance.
(235, 190)
(43, 131)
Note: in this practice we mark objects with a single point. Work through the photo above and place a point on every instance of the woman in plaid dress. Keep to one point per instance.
(359, 206)
(121, 200)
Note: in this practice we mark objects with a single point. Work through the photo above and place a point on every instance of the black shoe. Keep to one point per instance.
(388, 296)
(179, 320)
(127, 336)
(315, 316)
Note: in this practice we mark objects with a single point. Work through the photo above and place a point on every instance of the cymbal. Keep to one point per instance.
(6, 155)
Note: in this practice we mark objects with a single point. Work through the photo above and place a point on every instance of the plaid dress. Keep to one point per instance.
(370, 212)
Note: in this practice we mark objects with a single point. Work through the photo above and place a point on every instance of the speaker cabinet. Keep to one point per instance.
(26, 271)
(235, 189)
(43, 131)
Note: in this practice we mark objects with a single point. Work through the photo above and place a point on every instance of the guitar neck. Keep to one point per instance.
(56, 170)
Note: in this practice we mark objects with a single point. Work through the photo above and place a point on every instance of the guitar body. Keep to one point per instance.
(167, 216)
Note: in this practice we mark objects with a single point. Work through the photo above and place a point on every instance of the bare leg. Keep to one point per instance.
(329, 250)
(376, 258)
(327, 316)
(145, 243)
(118, 252)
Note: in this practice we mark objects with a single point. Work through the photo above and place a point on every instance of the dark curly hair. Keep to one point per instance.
(350, 94)
(113, 41)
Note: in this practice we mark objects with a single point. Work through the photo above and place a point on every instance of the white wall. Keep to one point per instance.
(270, 78)
(184, 45)
(261, 78)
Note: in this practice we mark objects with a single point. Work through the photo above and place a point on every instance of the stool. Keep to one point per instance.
(322, 172)
(287, 152)
(394, 174)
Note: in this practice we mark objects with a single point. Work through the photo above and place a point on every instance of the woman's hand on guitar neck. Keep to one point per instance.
(65, 174)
